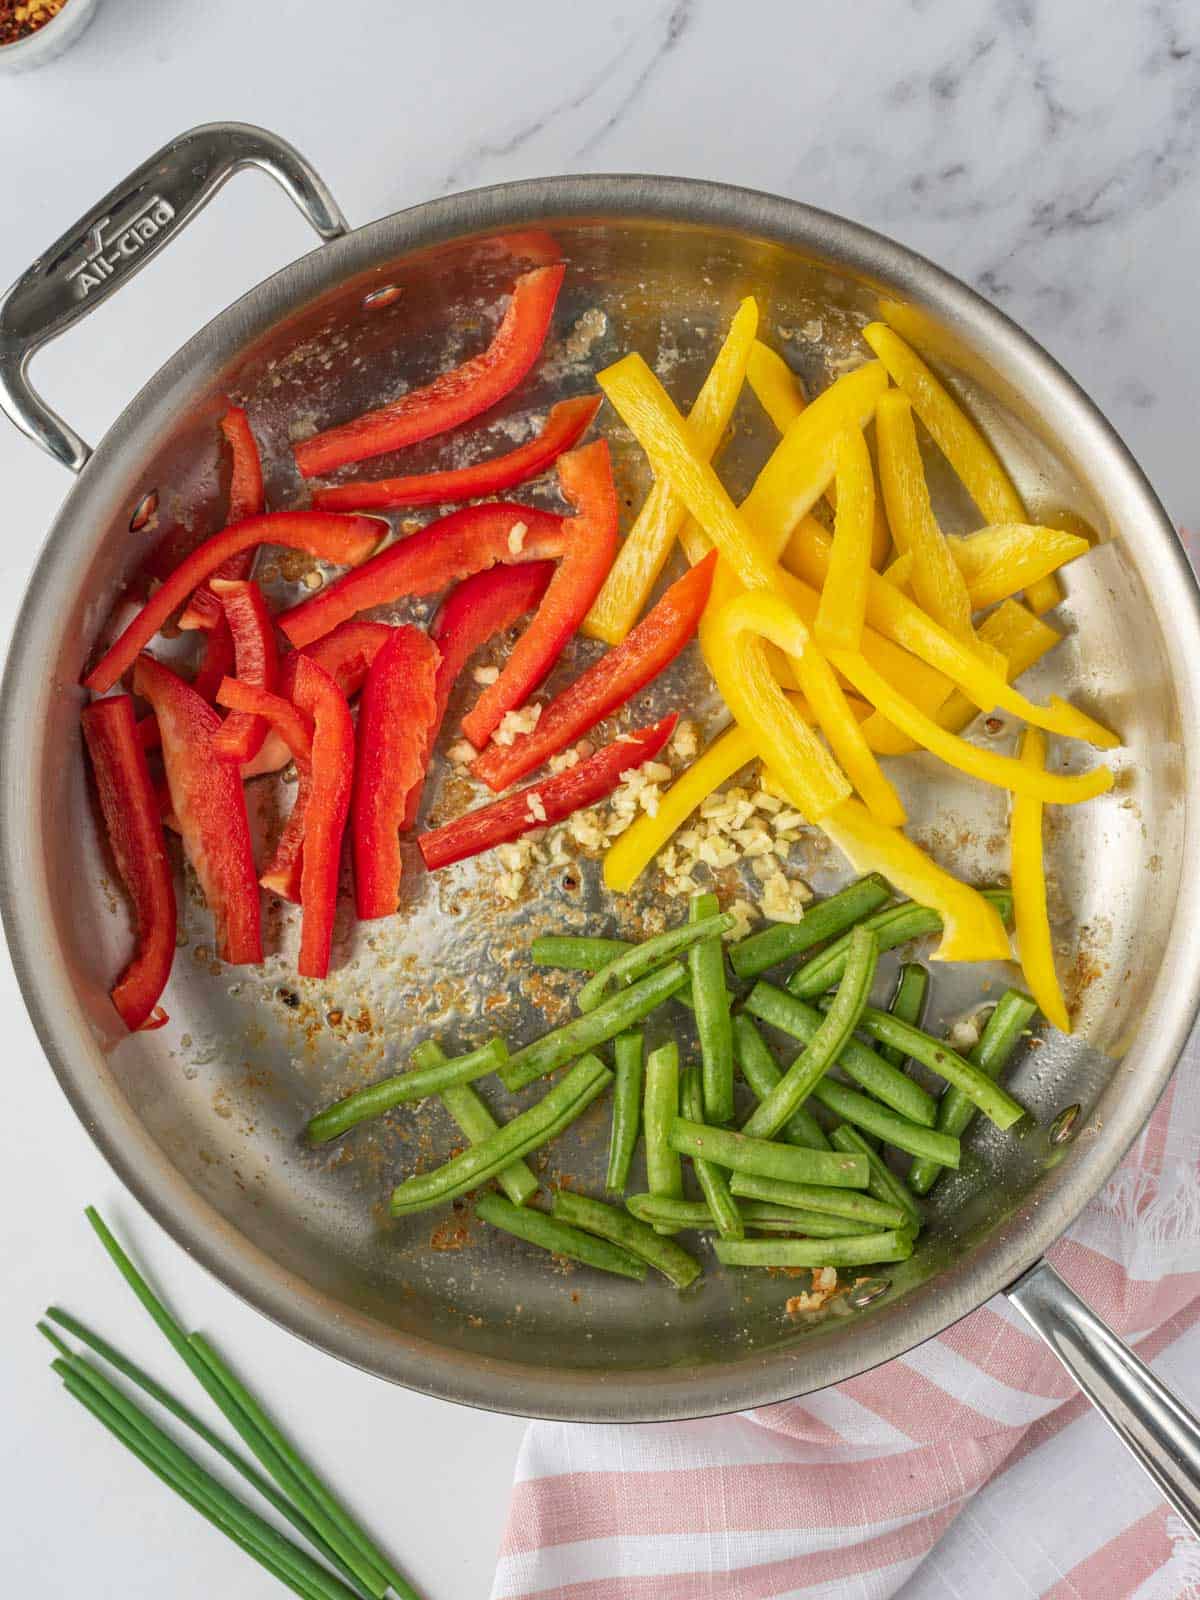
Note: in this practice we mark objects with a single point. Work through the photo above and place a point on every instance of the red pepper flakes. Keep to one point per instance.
(19, 21)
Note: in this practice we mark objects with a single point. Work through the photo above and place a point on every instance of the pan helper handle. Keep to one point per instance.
(118, 237)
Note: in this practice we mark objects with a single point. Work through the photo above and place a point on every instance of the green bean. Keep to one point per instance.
(760, 1070)
(648, 956)
(908, 1002)
(894, 926)
(463, 1103)
(823, 921)
(664, 1174)
(407, 1086)
(1012, 1015)
(555, 1235)
(626, 1109)
(710, 1001)
(628, 1232)
(995, 1103)
(618, 1014)
(765, 1158)
(883, 1184)
(863, 1248)
(857, 1060)
(861, 1209)
(885, 1124)
(556, 1110)
(712, 1181)
(826, 1044)
(757, 1214)
(576, 953)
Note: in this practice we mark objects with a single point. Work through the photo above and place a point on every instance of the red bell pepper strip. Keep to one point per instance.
(346, 654)
(246, 499)
(395, 719)
(294, 731)
(210, 805)
(563, 428)
(543, 803)
(607, 683)
(291, 724)
(472, 613)
(257, 662)
(345, 540)
(130, 810)
(453, 398)
(591, 545)
(442, 553)
(327, 805)
(216, 659)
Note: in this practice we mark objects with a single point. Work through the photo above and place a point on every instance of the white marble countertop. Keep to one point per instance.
(1047, 154)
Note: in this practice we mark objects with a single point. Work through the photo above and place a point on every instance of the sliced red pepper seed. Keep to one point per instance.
(256, 659)
(472, 613)
(246, 499)
(210, 805)
(544, 803)
(395, 718)
(130, 809)
(454, 397)
(563, 428)
(590, 545)
(327, 806)
(607, 683)
(345, 540)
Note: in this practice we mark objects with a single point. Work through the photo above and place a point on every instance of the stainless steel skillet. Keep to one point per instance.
(201, 1119)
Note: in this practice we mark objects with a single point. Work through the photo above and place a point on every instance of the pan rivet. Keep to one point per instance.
(866, 1291)
(143, 511)
(382, 297)
(1063, 1126)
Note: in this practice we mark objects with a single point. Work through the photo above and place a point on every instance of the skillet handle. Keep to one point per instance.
(1160, 1432)
(118, 237)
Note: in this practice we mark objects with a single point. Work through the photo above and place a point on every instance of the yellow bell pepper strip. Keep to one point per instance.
(843, 605)
(902, 621)
(778, 391)
(899, 571)
(636, 848)
(801, 466)
(960, 441)
(1034, 944)
(937, 584)
(757, 616)
(646, 410)
(972, 929)
(1004, 771)
(737, 659)
(648, 543)
(1012, 630)
(775, 385)
(997, 561)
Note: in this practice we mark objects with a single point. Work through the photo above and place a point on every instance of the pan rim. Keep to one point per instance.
(783, 1372)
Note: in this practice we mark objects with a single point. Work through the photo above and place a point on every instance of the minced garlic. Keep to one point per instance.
(485, 675)
(516, 537)
(515, 723)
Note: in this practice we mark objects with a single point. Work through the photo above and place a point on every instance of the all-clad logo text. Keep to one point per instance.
(111, 246)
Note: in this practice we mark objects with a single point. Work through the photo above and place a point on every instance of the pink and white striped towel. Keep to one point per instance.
(969, 1467)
